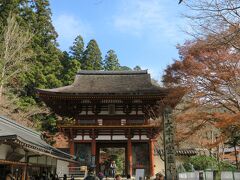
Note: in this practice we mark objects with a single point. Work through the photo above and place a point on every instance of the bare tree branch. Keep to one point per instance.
(14, 51)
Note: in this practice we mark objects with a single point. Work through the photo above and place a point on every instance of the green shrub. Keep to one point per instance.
(203, 162)
(226, 166)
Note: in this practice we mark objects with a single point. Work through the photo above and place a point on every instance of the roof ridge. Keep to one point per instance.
(100, 72)
(12, 122)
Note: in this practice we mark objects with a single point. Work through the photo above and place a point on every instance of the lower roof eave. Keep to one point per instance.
(149, 94)
(14, 139)
(3, 161)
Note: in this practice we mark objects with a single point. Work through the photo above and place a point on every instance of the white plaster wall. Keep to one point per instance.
(33, 160)
(158, 164)
(21, 151)
(42, 160)
(144, 137)
(4, 149)
(101, 137)
(119, 137)
(136, 137)
(87, 138)
(62, 168)
(116, 137)
(79, 137)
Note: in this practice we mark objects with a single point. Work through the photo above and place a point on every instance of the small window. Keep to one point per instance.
(100, 122)
(123, 122)
(111, 109)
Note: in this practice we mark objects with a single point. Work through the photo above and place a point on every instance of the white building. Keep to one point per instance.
(24, 153)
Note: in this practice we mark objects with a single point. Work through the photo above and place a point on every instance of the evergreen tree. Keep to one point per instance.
(137, 68)
(77, 49)
(36, 15)
(125, 68)
(6, 8)
(49, 66)
(92, 59)
(111, 61)
(45, 47)
(70, 68)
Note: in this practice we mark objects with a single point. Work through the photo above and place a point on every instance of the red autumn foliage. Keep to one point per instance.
(211, 78)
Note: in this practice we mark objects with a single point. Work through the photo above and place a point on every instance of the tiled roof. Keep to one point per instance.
(93, 72)
(14, 133)
(179, 152)
(109, 82)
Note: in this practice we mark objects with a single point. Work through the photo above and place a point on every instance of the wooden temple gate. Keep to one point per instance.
(134, 137)
(112, 107)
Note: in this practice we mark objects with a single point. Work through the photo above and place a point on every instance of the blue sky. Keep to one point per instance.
(142, 32)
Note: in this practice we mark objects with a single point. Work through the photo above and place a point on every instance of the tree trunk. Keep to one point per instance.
(1, 92)
(236, 156)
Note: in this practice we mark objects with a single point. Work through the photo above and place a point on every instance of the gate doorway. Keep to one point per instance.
(108, 152)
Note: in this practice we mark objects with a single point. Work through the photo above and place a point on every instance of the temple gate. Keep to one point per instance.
(109, 109)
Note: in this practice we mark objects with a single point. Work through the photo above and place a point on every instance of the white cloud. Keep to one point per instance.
(147, 16)
(68, 27)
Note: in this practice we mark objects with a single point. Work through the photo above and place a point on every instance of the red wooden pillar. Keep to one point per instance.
(93, 152)
(71, 151)
(93, 147)
(71, 147)
(151, 155)
(129, 150)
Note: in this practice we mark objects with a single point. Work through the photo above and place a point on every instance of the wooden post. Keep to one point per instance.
(93, 152)
(25, 173)
(71, 152)
(71, 147)
(151, 157)
(129, 150)
(24, 176)
(93, 147)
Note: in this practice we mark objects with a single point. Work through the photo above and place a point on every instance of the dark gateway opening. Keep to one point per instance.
(107, 156)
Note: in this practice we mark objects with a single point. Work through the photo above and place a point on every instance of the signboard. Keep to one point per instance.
(140, 174)
(169, 149)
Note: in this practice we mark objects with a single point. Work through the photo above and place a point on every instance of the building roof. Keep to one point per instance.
(96, 72)
(109, 82)
(179, 152)
(14, 133)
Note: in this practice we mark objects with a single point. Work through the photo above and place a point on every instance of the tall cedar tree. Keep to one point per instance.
(137, 68)
(92, 57)
(70, 67)
(77, 49)
(125, 68)
(111, 61)
(36, 15)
